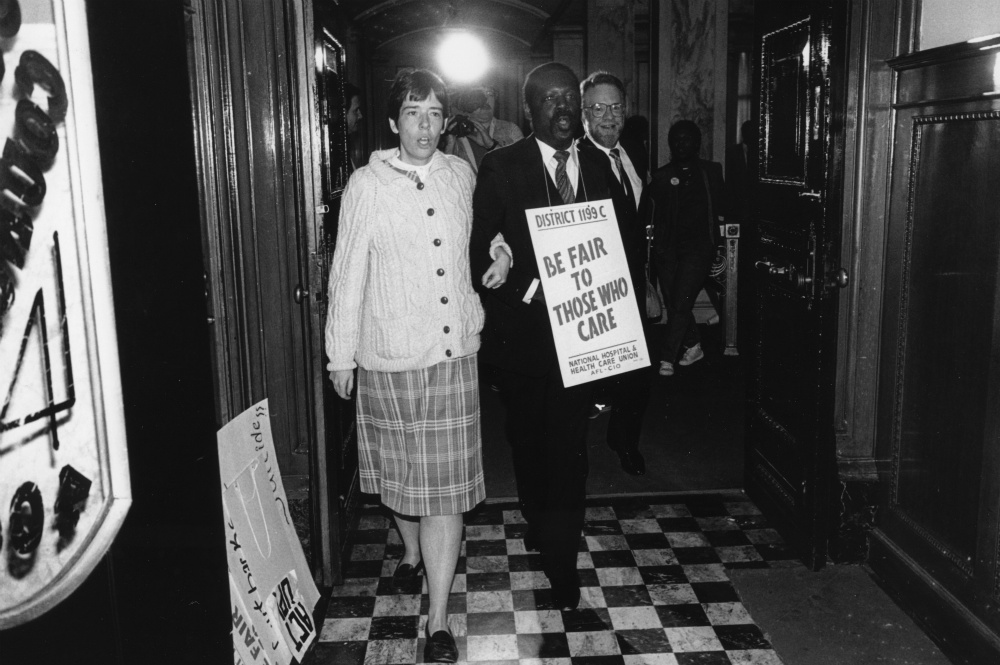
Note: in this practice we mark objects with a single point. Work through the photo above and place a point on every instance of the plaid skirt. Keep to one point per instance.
(419, 438)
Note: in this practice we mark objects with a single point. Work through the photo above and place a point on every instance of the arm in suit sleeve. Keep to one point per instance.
(490, 215)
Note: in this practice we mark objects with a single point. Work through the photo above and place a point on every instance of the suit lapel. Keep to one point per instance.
(599, 157)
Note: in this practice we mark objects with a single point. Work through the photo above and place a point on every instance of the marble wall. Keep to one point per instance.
(692, 72)
(611, 36)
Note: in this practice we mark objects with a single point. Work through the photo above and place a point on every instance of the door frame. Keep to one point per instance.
(212, 105)
(877, 32)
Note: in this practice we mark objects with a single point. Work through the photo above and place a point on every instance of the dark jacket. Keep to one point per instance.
(632, 229)
(517, 335)
(664, 193)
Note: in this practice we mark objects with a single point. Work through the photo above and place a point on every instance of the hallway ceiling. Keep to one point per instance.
(517, 22)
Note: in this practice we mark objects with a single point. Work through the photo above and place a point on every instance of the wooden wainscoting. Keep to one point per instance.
(936, 542)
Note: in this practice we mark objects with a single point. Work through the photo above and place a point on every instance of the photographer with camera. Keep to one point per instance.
(473, 131)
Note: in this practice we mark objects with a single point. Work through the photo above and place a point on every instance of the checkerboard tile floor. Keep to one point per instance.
(654, 590)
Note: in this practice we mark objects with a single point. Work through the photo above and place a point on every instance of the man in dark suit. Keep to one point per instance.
(690, 201)
(546, 422)
(604, 109)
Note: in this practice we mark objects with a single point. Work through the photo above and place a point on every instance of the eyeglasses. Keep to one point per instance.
(600, 109)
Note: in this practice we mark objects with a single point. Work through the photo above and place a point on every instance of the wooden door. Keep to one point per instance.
(790, 434)
(334, 489)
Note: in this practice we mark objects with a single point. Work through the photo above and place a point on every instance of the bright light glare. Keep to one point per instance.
(996, 73)
(462, 57)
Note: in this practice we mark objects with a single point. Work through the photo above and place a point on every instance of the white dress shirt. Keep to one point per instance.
(633, 177)
(572, 172)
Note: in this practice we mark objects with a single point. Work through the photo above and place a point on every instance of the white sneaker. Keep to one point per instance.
(666, 369)
(692, 355)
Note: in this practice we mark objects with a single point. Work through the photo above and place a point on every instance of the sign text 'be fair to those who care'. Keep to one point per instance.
(588, 293)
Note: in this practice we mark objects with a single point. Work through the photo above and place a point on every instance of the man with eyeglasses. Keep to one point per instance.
(624, 395)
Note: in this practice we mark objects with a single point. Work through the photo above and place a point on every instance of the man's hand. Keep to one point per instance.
(343, 382)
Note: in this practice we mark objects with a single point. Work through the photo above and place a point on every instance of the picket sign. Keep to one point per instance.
(592, 308)
(272, 591)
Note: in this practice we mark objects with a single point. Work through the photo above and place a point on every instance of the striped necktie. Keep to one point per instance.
(562, 180)
(629, 193)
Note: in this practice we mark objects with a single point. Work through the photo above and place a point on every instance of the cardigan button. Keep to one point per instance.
(430, 212)
(444, 300)
(447, 329)
(448, 353)
(437, 242)
(440, 272)
(420, 185)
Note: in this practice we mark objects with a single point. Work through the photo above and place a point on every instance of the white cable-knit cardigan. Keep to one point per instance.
(400, 292)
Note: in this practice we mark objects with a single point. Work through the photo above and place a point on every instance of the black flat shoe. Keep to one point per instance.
(440, 648)
(531, 542)
(405, 574)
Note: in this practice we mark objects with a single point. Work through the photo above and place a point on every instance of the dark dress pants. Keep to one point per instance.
(629, 397)
(546, 428)
(682, 275)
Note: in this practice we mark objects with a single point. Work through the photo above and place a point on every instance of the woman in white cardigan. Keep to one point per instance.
(404, 313)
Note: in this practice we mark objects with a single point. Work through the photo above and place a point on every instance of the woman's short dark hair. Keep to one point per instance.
(416, 85)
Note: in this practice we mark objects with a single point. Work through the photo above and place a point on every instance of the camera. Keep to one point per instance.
(466, 102)
(462, 127)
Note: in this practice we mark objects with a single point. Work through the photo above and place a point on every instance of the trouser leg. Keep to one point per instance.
(524, 398)
(546, 427)
(629, 398)
(682, 278)
(564, 452)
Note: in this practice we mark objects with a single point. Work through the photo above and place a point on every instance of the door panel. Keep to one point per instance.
(790, 435)
(948, 276)
(941, 313)
(246, 126)
(939, 382)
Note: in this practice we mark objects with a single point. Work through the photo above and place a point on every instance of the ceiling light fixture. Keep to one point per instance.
(462, 57)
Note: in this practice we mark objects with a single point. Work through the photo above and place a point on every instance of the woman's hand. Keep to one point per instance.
(343, 382)
(496, 274)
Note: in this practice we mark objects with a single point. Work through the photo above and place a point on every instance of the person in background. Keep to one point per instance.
(404, 314)
(604, 109)
(546, 422)
(353, 116)
(689, 197)
(474, 130)
(636, 133)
